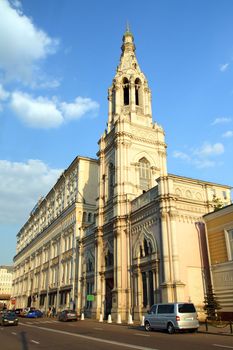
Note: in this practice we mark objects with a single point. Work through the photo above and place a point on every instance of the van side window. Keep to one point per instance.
(153, 309)
(166, 309)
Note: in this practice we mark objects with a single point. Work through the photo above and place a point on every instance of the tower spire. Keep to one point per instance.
(127, 27)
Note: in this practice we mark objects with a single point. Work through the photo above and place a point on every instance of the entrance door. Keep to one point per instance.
(108, 296)
(29, 301)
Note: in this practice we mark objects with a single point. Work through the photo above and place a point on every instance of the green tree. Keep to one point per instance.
(218, 204)
(211, 304)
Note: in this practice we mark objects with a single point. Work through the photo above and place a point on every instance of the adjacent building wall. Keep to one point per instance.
(219, 231)
(45, 269)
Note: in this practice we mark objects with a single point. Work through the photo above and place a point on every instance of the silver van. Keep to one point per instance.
(172, 317)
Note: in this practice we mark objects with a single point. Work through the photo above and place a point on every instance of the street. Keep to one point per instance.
(88, 334)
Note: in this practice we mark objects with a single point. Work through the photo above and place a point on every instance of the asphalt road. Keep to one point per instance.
(88, 334)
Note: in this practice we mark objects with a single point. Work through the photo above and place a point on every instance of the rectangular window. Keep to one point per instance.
(230, 244)
(224, 194)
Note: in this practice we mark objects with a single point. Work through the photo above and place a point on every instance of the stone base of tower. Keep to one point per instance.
(120, 309)
(172, 292)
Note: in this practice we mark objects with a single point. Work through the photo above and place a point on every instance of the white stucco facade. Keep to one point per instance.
(146, 242)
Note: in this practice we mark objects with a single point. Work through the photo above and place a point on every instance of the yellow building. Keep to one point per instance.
(6, 277)
(219, 228)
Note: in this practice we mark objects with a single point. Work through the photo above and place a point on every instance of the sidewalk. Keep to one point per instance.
(218, 330)
(223, 330)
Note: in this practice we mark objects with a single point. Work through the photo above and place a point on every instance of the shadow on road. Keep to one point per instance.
(24, 342)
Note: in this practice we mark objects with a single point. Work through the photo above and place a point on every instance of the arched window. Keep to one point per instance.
(89, 217)
(146, 248)
(137, 92)
(144, 174)
(84, 216)
(126, 91)
(90, 266)
(109, 259)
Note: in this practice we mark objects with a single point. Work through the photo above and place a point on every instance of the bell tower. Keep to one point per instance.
(129, 96)
(132, 155)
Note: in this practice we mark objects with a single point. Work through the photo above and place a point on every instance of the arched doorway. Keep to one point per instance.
(145, 271)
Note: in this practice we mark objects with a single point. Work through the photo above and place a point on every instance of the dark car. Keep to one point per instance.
(34, 314)
(8, 317)
(18, 311)
(67, 315)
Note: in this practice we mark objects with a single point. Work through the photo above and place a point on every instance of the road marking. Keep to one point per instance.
(142, 335)
(13, 333)
(131, 346)
(35, 342)
(223, 346)
(98, 329)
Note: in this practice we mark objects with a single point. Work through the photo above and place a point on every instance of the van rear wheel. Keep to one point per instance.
(147, 326)
(170, 328)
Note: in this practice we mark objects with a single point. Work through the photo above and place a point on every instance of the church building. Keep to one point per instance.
(119, 233)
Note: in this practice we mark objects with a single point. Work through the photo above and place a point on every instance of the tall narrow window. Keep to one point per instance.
(113, 102)
(146, 248)
(144, 174)
(137, 92)
(111, 179)
(126, 91)
(230, 240)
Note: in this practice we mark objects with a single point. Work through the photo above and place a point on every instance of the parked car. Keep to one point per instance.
(34, 314)
(172, 317)
(18, 311)
(24, 312)
(67, 315)
(8, 317)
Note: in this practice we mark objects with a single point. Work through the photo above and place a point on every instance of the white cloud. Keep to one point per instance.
(36, 112)
(21, 185)
(79, 107)
(223, 67)
(221, 120)
(228, 134)
(209, 150)
(204, 163)
(22, 44)
(202, 157)
(181, 155)
(42, 113)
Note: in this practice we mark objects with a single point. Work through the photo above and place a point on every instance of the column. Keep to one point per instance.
(98, 270)
(79, 277)
(118, 98)
(102, 293)
(156, 284)
(164, 234)
(148, 303)
(132, 95)
(167, 287)
(110, 107)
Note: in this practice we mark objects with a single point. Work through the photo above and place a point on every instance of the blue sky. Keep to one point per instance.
(57, 60)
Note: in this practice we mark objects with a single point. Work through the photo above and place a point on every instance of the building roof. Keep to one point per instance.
(219, 212)
(200, 181)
